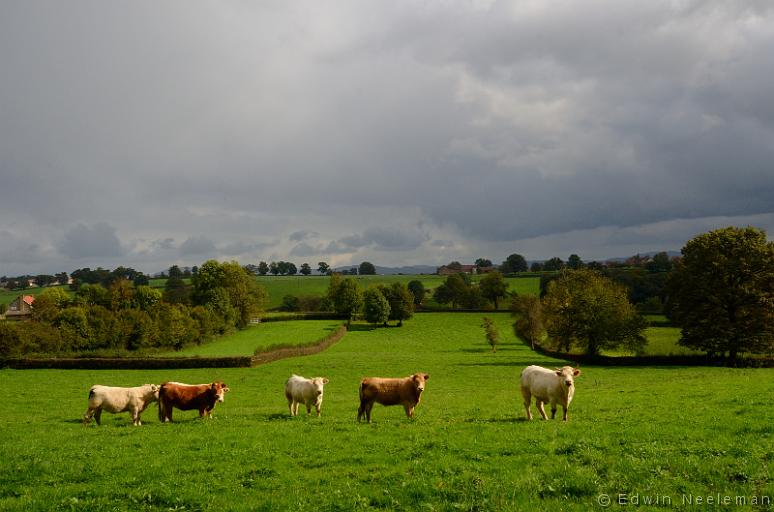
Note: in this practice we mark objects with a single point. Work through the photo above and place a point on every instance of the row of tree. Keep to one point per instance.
(720, 293)
(125, 316)
(460, 292)
(286, 268)
(378, 304)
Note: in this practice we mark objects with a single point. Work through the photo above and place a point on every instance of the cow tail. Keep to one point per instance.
(91, 393)
(360, 390)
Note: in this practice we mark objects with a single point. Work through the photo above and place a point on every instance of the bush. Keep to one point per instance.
(290, 303)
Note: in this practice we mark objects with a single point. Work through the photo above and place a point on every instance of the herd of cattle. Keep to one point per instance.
(555, 387)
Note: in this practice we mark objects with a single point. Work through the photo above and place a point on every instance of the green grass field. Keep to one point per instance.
(245, 342)
(279, 286)
(649, 433)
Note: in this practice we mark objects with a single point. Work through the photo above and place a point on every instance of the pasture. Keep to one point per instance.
(245, 342)
(279, 286)
(650, 433)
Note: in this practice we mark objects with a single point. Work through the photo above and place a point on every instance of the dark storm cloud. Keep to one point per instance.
(303, 250)
(491, 122)
(196, 246)
(245, 248)
(91, 241)
(298, 236)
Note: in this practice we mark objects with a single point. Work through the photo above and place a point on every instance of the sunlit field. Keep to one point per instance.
(279, 286)
(672, 433)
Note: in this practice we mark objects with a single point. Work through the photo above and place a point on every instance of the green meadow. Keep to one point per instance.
(670, 436)
(279, 286)
(260, 336)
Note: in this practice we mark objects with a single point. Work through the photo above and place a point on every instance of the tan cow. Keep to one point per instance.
(114, 399)
(388, 391)
(554, 386)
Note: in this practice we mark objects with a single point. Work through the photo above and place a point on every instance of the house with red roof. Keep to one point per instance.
(20, 308)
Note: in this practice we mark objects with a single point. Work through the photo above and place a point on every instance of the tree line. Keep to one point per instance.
(286, 268)
(125, 316)
(720, 293)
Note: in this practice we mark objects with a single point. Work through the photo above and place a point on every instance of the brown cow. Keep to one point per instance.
(406, 392)
(186, 397)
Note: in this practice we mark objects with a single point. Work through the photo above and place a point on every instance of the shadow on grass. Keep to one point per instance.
(512, 419)
(517, 363)
(363, 328)
(489, 350)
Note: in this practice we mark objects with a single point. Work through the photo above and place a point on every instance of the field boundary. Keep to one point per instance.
(270, 355)
(684, 360)
(126, 363)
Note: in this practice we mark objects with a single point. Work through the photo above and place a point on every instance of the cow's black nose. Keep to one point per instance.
(569, 383)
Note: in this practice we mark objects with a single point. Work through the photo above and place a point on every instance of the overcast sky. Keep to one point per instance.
(151, 133)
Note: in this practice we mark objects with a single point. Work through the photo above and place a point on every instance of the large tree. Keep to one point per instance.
(305, 269)
(376, 308)
(514, 263)
(493, 287)
(528, 325)
(721, 292)
(586, 310)
(418, 290)
(344, 297)
(366, 269)
(222, 286)
(323, 268)
(401, 302)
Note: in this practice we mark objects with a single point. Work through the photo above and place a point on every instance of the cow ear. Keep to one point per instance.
(325, 381)
(576, 372)
(213, 386)
(427, 376)
(558, 372)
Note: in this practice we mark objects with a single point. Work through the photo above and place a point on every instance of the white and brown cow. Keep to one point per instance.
(189, 396)
(115, 399)
(300, 390)
(553, 386)
(389, 391)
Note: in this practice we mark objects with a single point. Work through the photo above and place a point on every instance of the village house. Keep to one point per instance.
(20, 308)
(445, 270)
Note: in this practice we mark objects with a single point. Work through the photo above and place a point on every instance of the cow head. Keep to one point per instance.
(567, 375)
(219, 389)
(419, 381)
(318, 383)
(151, 391)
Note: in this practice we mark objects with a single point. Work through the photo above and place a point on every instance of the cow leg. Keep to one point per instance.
(540, 408)
(553, 410)
(136, 417)
(98, 416)
(527, 396)
(308, 408)
(361, 410)
(368, 411)
(290, 406)
(318, 407)
(409, 411)
(564, 410)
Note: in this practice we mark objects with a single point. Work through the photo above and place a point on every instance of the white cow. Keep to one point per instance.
(554, 386)
(113, 399)
(299, 390)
